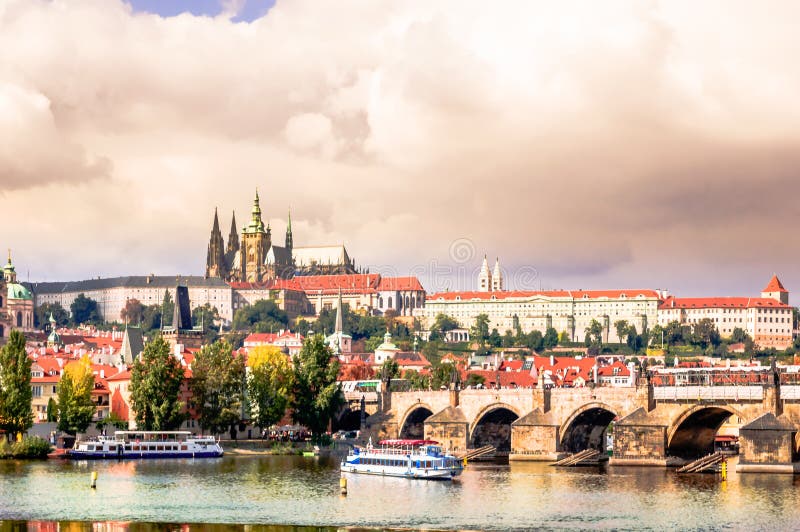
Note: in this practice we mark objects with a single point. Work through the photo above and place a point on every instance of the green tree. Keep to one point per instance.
(316, 394)
(52, 410)
(479, 332)
(594, 333)
(218, 381)
(441, 325)
(473, 379)
(156, 380)
(508, 339)
(132, 312)
(151, 318)
(269, 385)
(533, 340)
(208, 318)
(443, 375)
(75, 406)
(550, 339)
(16, 415)
(262, 316)
(42, 314)
(563, 338)
(112, 420)
(516, 326)
(622, 329)
(495, 340)
(84, 310)
(416, 380)
(389, 370)
(167, 309)
(676, 334)
(655, 335)
(705, 333)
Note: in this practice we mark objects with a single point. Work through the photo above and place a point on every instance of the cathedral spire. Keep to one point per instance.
(233, 237)
(497, 277)
(215, 260)
(289, 239)
(215, 229)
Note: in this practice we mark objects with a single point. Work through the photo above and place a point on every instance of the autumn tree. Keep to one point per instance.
(132, 312)
(75, 406)
(16, 415)
(218, 381)
(156, 380)
(269, 385)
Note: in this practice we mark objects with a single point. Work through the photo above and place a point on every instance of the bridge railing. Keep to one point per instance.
(369, 397)
(712, 377)
(711, 393)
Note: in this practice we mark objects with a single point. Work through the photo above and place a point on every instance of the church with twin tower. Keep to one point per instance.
(255, 258)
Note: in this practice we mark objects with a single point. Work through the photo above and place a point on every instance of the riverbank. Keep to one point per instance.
(270, 448)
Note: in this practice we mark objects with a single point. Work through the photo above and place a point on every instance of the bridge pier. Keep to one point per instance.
(639, 440)
(767, 446)
(449, 427)
(535, 437)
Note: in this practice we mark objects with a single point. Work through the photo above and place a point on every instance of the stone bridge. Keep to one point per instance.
(652, 425)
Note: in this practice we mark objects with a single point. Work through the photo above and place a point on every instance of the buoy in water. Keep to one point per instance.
(343, 485)
(94, 479)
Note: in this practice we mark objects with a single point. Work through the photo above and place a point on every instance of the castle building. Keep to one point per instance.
(255, 258)
(766, 319)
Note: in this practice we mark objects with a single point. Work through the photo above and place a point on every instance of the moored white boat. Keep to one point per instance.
(148, 444)
(423, 459)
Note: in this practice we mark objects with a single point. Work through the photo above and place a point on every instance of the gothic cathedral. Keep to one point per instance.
(255, 258)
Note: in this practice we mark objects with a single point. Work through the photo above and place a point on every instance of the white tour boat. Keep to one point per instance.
(148, 444)
(403, 458)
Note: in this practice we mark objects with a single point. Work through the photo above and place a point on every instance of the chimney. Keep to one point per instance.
(102, 374)
(178, 350)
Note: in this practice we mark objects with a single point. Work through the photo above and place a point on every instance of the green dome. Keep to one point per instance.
(17, 291)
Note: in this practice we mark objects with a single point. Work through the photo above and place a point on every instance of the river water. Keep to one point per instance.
(293, 490)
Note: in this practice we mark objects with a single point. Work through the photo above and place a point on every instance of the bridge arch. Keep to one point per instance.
(586, 427)
(492, 426)
(693, 432)
(412, 425)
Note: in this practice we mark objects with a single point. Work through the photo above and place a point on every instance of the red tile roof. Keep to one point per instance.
(121, 376)
(349, 284)
(272, 284)
(608, 371)
(525, 294)
(774, 285)
(399, 283)
(720, 302)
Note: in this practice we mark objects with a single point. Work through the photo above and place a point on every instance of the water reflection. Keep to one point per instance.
(304, 491)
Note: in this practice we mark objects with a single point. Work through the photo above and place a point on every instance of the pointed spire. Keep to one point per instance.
(215, 229)
(289, 240)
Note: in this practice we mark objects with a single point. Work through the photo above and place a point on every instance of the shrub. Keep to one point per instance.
(5, 448)
(34, 447)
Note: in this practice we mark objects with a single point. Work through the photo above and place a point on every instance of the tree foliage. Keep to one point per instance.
(75, 406)
(550, 339)
(389, 370)
(316, 394)
(42, 314)
(132, 312)
(167, 309)
(84, 310)
(16, 415)
(263, 316)
(156, 380)
(441, 325)
(218, 382)
(208, 318)
(479, 331)
(269, 385)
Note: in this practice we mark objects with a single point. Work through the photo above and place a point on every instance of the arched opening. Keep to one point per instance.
(694, 434)
(414, 426)
(19, 319)
(389, 302)
(2, 332)
(494, 428)
(588, 430)
(348, 420)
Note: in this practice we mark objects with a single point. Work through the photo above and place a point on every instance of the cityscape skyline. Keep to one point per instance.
(684, 184)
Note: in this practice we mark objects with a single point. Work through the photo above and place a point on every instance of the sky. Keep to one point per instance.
(622, 144)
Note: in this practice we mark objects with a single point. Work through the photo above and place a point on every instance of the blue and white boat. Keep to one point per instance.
(148, 444)
(423, 459)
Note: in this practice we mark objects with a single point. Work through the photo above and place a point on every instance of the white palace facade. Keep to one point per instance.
(570, 311)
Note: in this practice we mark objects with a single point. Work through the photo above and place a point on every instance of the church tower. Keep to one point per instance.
(289, 240)
(485, 277)
(256, 241)
(233, 237)
(497, 277)
(215, 260)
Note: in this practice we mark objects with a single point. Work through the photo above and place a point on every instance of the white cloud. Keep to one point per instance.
(589, 140)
